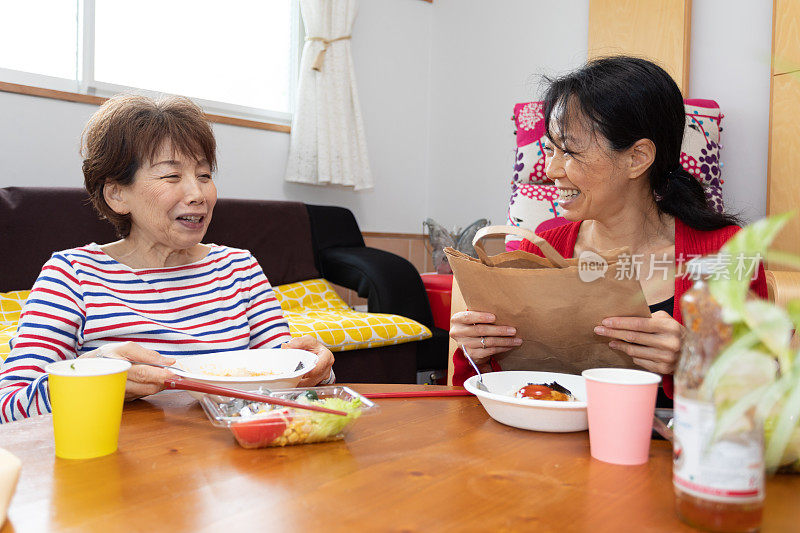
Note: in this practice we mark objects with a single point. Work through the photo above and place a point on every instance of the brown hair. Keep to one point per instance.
(128, 130)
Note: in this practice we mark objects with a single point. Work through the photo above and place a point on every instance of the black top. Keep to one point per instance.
(662, 400)
(666, 305)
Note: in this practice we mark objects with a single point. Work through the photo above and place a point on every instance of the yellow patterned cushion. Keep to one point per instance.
(6, 334)
(312, 307)
(10, 308)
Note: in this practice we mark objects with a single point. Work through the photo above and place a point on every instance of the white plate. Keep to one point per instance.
(281, 363)
(535, 415)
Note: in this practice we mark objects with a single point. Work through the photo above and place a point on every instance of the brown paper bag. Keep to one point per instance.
(547, 300)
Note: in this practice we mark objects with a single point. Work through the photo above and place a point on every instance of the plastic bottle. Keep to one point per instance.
(719, 485)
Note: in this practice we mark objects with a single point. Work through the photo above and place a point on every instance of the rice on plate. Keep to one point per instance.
(249, 370)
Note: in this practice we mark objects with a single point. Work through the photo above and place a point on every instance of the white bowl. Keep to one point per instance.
(279, 363)
(536, 415)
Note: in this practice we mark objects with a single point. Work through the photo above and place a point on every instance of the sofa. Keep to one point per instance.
(301, 248)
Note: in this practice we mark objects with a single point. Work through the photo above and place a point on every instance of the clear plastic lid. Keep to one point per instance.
(258, 424)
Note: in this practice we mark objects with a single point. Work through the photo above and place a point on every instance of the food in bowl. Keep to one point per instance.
(260, 425)
(249, 370)
(236, 372)
(545, 391)
(524, 413)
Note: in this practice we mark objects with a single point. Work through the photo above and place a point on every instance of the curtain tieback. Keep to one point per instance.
(321, 54)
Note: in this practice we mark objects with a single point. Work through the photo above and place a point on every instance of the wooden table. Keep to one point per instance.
(423, 464)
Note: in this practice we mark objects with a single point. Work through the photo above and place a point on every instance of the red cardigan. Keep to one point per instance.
(688, 243)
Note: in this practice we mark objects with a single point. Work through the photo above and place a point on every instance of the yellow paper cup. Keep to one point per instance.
(86, 396)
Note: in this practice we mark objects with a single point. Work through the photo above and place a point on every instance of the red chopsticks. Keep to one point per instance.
(416, 394)
(187, 384)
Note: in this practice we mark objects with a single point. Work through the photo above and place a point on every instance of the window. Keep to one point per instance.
(38, 41)
(237, 58)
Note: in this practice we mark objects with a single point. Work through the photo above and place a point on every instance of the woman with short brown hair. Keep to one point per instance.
(158, 293)
(129, 130)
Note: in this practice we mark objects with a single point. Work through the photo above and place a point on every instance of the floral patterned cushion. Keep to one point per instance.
(532, 206)
(700, 148)
(534, 198)
(529, 164)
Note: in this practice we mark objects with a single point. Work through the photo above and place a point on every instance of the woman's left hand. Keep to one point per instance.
(324, 366)
(654, 343)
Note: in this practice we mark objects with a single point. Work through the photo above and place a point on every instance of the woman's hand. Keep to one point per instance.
(478, 334)
(142, 380)
(322, 370)
(654, 343)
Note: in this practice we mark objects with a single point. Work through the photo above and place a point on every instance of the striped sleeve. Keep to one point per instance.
(268, 327)
(48, 331)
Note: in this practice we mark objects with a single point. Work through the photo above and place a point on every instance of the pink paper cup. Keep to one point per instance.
(620, 404)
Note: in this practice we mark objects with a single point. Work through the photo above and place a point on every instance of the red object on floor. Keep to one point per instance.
(439, 288)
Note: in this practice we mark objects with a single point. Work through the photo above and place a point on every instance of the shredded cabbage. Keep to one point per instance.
(325, 425)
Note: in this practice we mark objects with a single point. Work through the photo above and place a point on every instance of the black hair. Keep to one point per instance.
(626, 99)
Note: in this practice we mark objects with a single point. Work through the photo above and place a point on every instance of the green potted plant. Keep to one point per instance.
(758, 369)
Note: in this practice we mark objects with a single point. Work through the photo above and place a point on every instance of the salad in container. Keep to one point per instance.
(260, 425)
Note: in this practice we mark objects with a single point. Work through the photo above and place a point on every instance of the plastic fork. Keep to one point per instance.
(478, 383)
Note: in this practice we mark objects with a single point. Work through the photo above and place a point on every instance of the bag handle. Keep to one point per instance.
(546, 248)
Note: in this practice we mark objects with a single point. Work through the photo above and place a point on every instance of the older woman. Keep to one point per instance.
(158, 293)
(614, 132)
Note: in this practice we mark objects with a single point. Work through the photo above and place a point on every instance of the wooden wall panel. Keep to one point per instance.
(786, 36)
(783, 173)
(784, 156)
(656, 29)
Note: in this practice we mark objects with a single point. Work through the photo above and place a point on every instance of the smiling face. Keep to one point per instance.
(170, 201)
(593, 179)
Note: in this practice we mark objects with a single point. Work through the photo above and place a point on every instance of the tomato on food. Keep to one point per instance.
(261, 431)
(541, 392)
(535, 391)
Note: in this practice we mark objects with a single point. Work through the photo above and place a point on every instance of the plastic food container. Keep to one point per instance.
(258, 425)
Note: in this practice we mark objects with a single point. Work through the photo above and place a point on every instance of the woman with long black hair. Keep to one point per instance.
(614, 133)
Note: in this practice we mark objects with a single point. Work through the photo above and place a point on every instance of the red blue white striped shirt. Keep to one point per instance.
(84, 299)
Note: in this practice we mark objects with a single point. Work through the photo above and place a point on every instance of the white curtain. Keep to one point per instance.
(328, 144)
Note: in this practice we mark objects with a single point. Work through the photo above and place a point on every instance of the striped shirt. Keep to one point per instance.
(84, 299)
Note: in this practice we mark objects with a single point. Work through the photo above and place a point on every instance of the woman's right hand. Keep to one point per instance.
(478, 333)
(143, 380)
